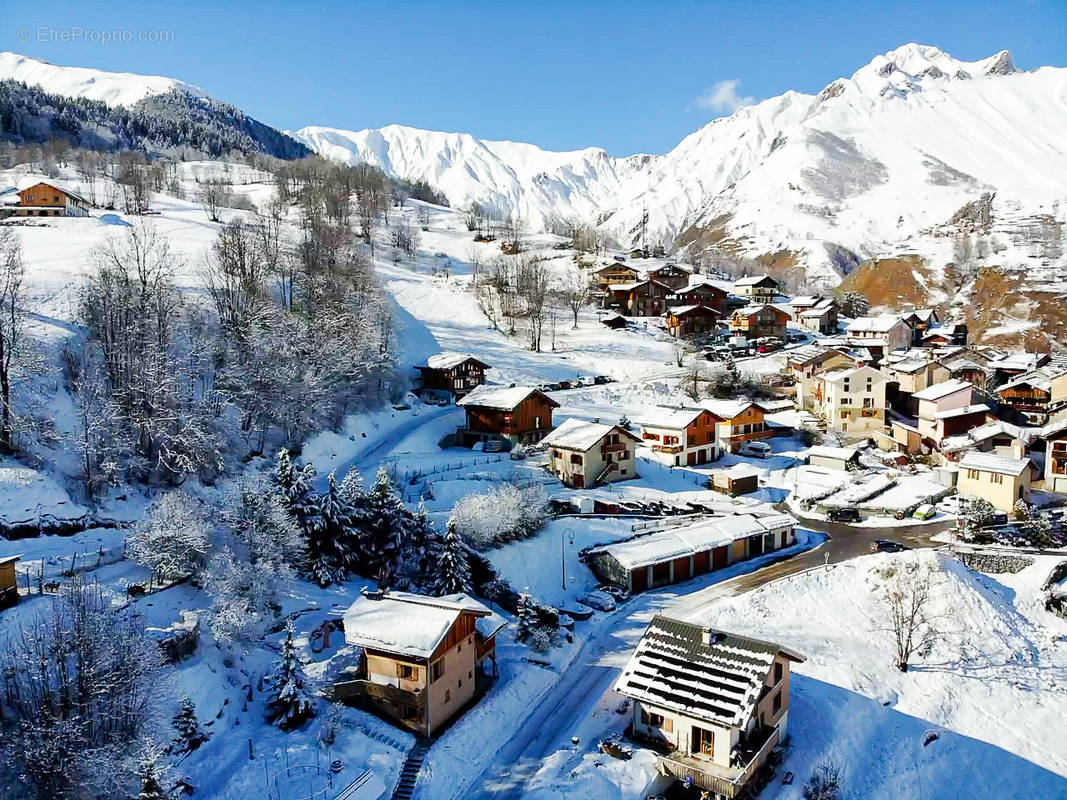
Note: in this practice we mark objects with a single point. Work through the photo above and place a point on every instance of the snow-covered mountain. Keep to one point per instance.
(113, 88)
(866, 165)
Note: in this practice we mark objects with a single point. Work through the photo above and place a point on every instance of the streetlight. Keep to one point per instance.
(564, 534)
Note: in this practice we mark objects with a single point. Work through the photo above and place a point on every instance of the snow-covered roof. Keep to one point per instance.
(728, 409)
(755, 308)
(700, 672)
(1038, 378)
(1020, 361)
(404, 623)
(27, 183)
(805, 300)
(880, 324)
(701, 284)
(975, 436)
(840, 453)
(962, 412)
(754, 280)
(582, 435)
(938, 391)
(448, 360)
(680, 310)
(844, 374)
(740, 470)
(991, 462)
(614, 265)
(687, 540)
(503, 398)
(672, 417)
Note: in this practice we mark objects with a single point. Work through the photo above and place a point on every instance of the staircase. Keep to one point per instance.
(409, 773)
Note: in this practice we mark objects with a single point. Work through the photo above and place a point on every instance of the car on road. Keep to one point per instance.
(601, 601)
(846, 514)
(888, 546)
(600, 380)
(925, 511)
(587, 380)
(755, 449)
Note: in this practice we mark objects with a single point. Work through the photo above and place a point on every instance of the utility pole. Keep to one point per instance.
(567, 532)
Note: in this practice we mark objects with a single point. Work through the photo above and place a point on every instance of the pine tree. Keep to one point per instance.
(451, 568)
(151, 788)
(296, 487)
(382, 520)
(527, 618)
(420, 539)
(331, 541)
(289, 703)
(190, 734)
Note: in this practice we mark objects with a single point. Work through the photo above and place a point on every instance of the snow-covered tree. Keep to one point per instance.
(187, 727)
(420, 542)
(1035, 524)
(451, 569)
(975, 514)
(527, 617)
(502, 514)
(173, 538)
(151, 781)
(853, 304)
(332, 545)
(824, 783)
(289, 703)
(296, 486)
(382, 520)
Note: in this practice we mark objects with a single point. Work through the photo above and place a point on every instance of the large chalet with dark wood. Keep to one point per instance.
(511, 414)
(643, 299)
(688, 321)
(615, 272)
(757, 321)
(450, 376)
(670, 275)
(699, 294)
(422, 659)
(757, 288)
(715, 705)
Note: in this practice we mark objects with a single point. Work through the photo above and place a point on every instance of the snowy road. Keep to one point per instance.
(549, 727)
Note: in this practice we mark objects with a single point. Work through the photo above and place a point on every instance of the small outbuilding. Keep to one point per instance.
(839, 458)
(738, 479)
(9, 588)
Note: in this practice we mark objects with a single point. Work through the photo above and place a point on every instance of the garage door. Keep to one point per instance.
(755, 546)
(701, 562)
(738, 551)
(681, 569)
(720, 557)
(639, 579)
(661, 574)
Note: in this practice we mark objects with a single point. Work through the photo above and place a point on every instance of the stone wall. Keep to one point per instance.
(994, 563)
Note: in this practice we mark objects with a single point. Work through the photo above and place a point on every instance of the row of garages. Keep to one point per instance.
(690, 549)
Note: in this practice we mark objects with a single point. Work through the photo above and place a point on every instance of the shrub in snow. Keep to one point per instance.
(825, 782)
(503, 514)
(975, 514)
(1035, 525)
(530, 630)
(173, 538)
(187, 726)
(452, 571)
(289, 703)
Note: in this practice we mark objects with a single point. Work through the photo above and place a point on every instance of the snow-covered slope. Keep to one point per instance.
(113, 88)
(869, 163)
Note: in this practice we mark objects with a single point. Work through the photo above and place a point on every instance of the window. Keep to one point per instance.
(537, 422)
(868, 402)
(448, 695)
(777, 702)
(406, 672)
(778, 671)
(997, 478)
(972, 474)
(437, 669)
(657, 721)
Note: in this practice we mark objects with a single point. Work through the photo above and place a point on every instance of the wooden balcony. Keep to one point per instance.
(706, 774)
(613, 448)
(668, 448)
(381, 694)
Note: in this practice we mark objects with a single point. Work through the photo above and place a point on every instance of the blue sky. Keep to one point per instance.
(619, 75)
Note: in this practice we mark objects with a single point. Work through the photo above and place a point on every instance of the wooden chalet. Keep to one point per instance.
(9, 587)
(699, 294)
(512, 414)
(688, 321)
(670, 275)
(642, 299)
(613, 273)
(757, 321)
(587, 454)
(740, 421)
(46, 200)
(757, 288)
(451, 375)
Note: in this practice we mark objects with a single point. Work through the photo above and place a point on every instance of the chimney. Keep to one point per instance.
(1017, 449)
(708, 637)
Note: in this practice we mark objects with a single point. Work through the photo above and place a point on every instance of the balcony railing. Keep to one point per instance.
(613, 448)
(382, 693)
(667, 448)
(727, 781)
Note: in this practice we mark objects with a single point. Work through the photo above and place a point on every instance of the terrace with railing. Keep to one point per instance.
(727, 781)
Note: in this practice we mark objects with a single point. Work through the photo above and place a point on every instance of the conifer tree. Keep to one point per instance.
(382, 520)
(331, 541)
(419, 541)
(451, 568)
(289, 703)
(151, 788)
(527, 617)
(296, 487)
(190, 734)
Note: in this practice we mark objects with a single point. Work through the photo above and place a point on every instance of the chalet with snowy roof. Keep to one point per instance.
(642, 299)
(685, 322)
(913, 372)
(450, 376)
(965, 368)
(841, 459)
(944, 336)
(740, 421)
(883, 333)
(920, 321)
(736, 480)
(613, 321)
(685, 550)
(671, 275)
(9, 587)
(995, 435)
(757, 289)
(586, 454)
(614, 273)
(1030, 395)
(1012, 365)
(808, 361)
(510, 414)
(715, 703)
(680, 435)
(702, 294)
(1003, 480)
(814, 313)
(757, 321)
(937, 400)
(47, 200)
(422, 659)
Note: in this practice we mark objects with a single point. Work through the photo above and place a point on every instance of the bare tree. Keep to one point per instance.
(532, 281)
(12, 319)
(214, 194)
(908, 598)
(575, 292)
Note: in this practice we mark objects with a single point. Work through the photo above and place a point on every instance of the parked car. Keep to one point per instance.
(793, 338)
(846, 514)
(601, 601)
(950, 505)
(544, 387)
(925, 511)
(755, 449)
(599, 380)
(565, 384)
(587, 380)
(888, 546)
(768, 347)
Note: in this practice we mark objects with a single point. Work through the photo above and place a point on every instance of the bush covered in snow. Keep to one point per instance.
(503, 514)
